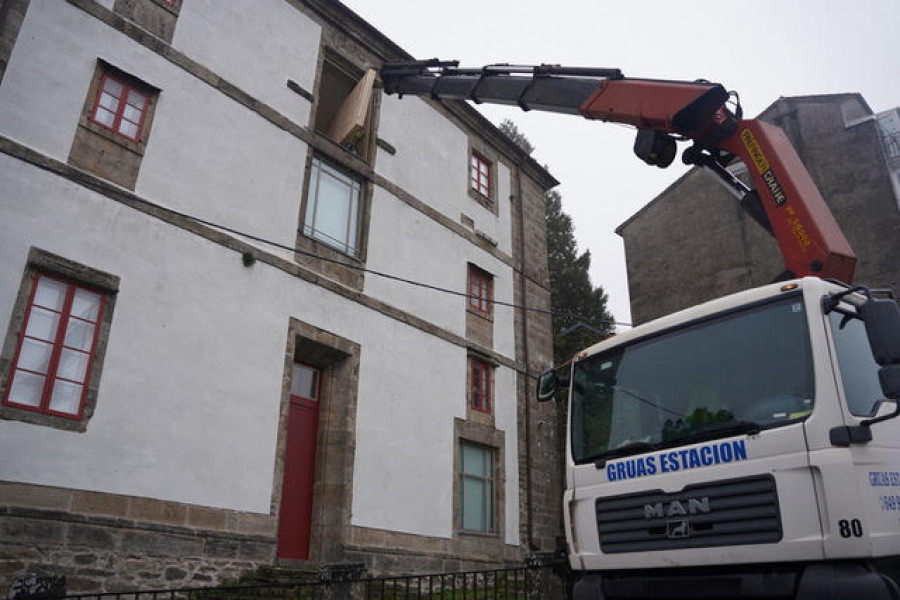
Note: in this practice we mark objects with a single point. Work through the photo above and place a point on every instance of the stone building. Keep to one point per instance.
(693, 242)
(216, 354)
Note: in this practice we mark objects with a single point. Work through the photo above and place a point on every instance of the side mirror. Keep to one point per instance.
(548, 383)
(882, 319)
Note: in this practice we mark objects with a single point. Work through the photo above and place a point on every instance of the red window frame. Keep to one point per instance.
(480, 376)
(481, 290)
(118, 108)
(59, 344)
(480, 175)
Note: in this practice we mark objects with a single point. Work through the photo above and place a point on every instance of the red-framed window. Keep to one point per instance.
(481, 290)
(480, 376)
(120, 107)
(56, 348)
(480, 175)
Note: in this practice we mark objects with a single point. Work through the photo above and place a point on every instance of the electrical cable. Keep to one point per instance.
(382, 274)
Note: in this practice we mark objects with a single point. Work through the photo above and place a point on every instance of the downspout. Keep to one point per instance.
(523, 289)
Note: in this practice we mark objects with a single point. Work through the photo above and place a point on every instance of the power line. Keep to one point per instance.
(382, 274)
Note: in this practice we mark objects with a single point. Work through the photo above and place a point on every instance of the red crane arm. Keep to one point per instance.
(808, 236)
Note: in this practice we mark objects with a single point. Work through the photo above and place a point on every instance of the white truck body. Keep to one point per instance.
(652, 484)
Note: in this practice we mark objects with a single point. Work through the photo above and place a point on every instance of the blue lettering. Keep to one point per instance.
(727, 453)
(706, 456)
(630, 469)
(651, 465)
(641, 467)
(620, 471)
(611, 472)
(884, 479)
(740, 450)
(890, 503)
(673, 461)
(694, 458)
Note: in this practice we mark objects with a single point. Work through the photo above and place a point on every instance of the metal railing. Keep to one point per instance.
(528, 582)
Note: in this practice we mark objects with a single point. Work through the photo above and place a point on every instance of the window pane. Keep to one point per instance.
(333, 206)
(34, 355)
(42, 324)
(66, 397)
(112, 87)
(26, 388)
(859, 371)
(137, 100)
(475, 460)
(305, 382)
(50, 293)
(128, 129)
(131, 114)
(86, 305)
(104, 117)
(110, 103)
(79, 334)
(474, 493)
(72, 365)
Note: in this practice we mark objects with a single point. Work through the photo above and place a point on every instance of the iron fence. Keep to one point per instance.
(528, 582)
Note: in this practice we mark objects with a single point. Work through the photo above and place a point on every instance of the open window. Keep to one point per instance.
(344, 111)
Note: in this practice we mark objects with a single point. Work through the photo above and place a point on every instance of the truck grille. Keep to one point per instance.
(721, 513)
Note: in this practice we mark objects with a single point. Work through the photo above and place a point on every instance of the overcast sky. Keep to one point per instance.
(763, 49)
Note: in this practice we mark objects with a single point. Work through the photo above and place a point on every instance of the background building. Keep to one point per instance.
(204, 368)
(693, 242)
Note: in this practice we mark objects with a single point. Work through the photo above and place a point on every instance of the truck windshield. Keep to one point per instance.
(736, 373)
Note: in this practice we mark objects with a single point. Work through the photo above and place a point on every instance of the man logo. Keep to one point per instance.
(678, 530)
(677, 508)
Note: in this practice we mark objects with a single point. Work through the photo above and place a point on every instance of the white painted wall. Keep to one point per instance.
(206, 155)
(506, 417)
(257, 48)
(417, 130)
(188, 400)
(190, 375)
(406, 243)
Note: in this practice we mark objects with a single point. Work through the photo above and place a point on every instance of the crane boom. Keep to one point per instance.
(785, 200)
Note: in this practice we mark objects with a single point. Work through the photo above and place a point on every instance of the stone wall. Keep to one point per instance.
(106, 542)
(694, 243)
(540, 451)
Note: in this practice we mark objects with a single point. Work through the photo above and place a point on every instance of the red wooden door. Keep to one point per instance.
(295, 515)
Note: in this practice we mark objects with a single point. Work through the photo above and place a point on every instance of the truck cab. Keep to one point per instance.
(744, 447)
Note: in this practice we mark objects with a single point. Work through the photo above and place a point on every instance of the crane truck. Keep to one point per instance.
(746, 447)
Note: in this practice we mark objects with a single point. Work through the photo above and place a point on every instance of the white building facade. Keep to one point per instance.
(204, 367)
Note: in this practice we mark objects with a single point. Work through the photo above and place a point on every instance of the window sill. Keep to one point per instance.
(480, 314)
(11, 412)
(483, 200)
(111, 136)
(489, 535)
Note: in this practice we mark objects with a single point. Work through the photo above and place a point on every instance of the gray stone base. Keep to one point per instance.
(101, 554)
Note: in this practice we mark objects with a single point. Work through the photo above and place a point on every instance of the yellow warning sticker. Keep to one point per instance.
(763, 166)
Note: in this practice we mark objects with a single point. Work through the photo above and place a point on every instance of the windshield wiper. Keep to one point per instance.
(712, 433)
(626, 450)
